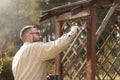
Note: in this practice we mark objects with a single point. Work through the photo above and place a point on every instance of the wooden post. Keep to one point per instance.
(91, 45)
(58, 69)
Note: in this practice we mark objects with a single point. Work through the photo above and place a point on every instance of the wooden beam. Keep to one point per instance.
(91, 45)
(69, 16)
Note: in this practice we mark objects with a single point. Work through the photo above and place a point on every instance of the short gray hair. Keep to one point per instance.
(24, 30)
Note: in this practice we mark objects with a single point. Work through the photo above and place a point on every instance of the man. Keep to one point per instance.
(29, 61)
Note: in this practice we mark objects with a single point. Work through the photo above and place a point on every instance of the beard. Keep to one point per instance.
(37, 40)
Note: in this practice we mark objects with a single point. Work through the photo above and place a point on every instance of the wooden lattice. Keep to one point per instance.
(74, 57)
(108, 53)
(103, 16)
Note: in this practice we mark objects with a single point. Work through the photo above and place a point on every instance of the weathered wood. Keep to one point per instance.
(69, 16)
(58, 68)
(91, 45)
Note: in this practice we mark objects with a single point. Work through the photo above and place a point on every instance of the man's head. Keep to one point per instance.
(30, 33)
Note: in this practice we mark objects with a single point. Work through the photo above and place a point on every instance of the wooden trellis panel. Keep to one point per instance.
(74, 59)
(72, 64)
(108, 54)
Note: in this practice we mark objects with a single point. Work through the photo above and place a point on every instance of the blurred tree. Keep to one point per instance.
(14, 15)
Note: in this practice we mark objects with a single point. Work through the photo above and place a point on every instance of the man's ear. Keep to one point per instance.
(28, 37)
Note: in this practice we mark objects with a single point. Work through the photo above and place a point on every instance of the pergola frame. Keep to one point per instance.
(92, 34)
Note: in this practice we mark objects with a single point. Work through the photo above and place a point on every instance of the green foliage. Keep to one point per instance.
(51, 66)
(1, 65)
(6, 73)
(9, 49)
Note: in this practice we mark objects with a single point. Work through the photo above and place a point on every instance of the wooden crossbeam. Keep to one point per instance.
(69, 16)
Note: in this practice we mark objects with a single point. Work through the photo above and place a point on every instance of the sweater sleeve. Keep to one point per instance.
(49, 50)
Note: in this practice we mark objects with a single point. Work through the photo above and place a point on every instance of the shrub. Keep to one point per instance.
(6, 73)
(1, 65)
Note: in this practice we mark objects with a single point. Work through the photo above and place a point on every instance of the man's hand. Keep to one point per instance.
(75, 29)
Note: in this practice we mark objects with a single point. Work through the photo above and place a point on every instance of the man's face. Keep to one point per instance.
(36, 35)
